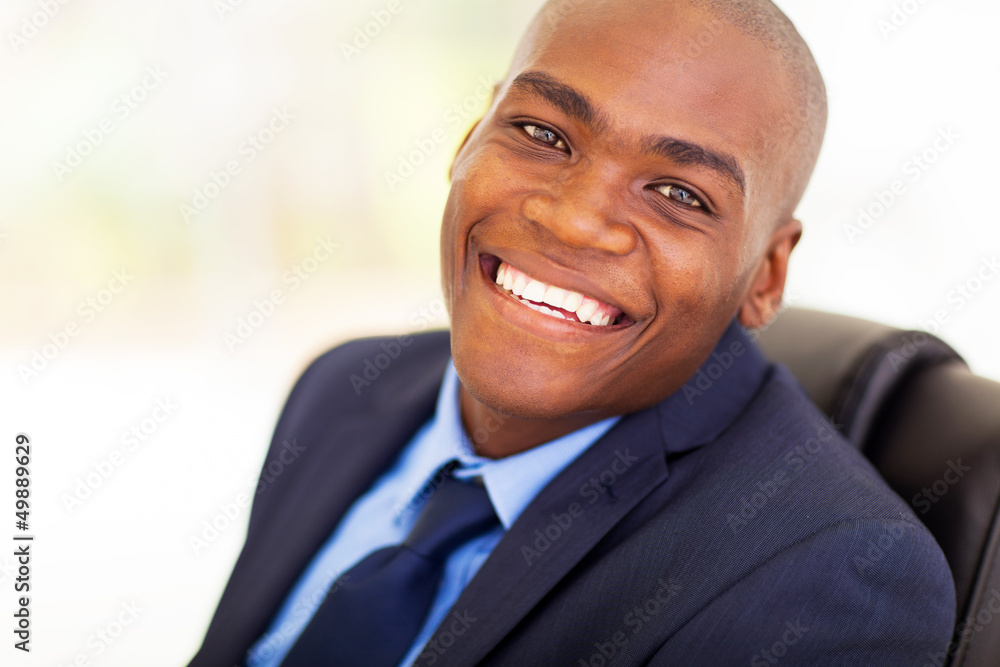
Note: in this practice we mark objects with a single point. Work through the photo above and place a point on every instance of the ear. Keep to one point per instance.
(451, 167)
(763, 299)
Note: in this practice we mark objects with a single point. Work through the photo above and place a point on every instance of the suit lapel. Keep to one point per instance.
(556, 531)
(341, 459)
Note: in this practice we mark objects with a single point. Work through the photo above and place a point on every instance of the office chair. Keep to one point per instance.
(932, 428)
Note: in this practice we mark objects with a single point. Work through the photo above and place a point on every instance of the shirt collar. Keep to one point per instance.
(695, 414)
(512, 482)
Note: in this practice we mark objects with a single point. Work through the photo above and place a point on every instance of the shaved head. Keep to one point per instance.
(792, 142)
(806, 122)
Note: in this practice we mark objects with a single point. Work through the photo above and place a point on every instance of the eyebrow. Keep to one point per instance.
(575, 104)
(567, 99)
(687, 153)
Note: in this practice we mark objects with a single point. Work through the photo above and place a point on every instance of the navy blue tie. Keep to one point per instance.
(375, 610)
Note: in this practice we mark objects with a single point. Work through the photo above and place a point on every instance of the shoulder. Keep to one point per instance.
(800, 527)
(386, 354)
(366, 376)
(782, 463)
(783, 439)
(400, 387)
(362, 371)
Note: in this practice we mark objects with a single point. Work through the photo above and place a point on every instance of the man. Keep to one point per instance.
(655, 492)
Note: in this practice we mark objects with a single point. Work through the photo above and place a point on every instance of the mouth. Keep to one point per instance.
(552, 300)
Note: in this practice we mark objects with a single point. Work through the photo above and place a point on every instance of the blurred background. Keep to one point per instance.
(200, 196)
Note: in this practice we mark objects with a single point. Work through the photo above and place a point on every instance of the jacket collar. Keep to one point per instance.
(715, 395)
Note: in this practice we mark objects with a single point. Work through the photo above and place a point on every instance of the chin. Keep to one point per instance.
(518, 387)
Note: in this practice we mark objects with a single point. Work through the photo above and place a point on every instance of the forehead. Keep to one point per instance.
(665, 69)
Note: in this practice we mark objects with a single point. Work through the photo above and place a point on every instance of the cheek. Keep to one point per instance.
(482, 185)
(482, 178)
(688, 273)
(695, 280)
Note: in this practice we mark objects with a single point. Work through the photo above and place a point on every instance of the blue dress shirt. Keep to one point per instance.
(386, 513)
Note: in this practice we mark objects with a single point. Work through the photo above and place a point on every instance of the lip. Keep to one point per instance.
(539, 323)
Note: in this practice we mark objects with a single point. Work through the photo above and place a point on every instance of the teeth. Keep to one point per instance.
(520, 282)
(543, 309)
(586, 310)
(535, 291)
(571, 302)
(555, 296)
(529, 290)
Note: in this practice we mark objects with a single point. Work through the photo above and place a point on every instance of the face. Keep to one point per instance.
(617, 179)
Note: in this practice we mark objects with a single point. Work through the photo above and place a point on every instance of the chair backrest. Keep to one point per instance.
(932, 429)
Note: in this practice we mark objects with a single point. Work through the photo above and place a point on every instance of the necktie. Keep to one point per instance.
(375, 609)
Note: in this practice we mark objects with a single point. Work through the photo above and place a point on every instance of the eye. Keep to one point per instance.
(547, 137)
(679, 195)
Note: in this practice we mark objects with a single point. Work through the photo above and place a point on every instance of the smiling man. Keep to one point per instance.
(543, 484)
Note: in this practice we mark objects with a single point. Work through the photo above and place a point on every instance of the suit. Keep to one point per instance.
(727, 524)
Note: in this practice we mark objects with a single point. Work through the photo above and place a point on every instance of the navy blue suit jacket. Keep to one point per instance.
(729, 524)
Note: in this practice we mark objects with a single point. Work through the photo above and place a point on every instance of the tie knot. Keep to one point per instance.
(454, 513)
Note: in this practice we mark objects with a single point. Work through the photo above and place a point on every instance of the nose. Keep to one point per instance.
(582, 211)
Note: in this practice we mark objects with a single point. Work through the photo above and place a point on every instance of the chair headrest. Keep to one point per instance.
(848, 366)
(885, 367)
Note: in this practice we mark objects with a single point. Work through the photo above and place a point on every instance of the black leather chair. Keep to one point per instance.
(932, 428)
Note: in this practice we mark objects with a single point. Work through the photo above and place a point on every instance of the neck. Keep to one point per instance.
(495, 435)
